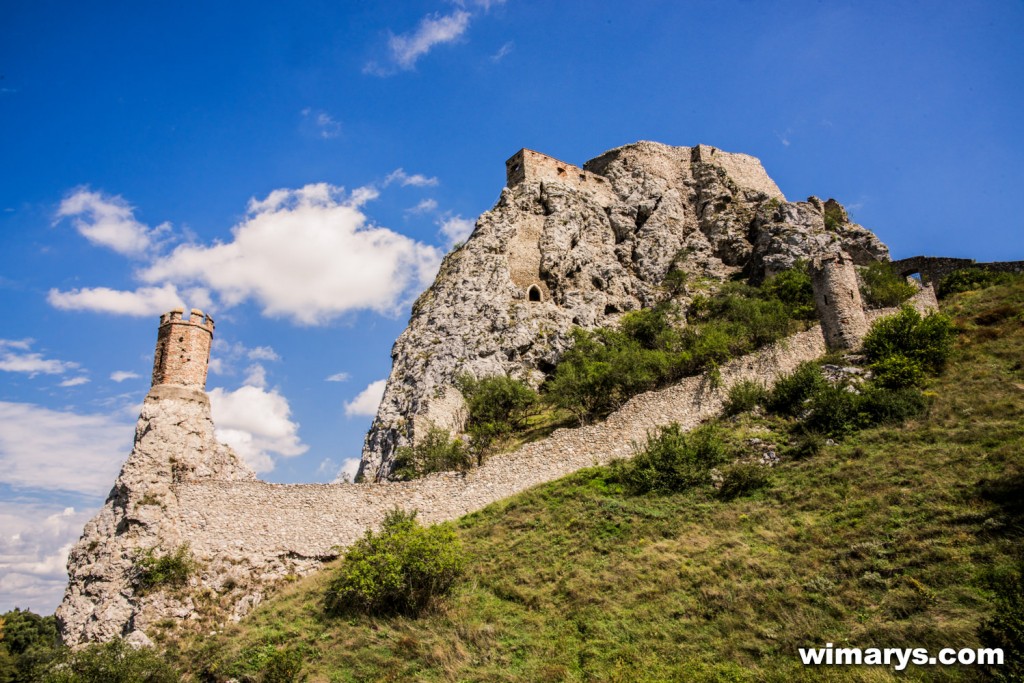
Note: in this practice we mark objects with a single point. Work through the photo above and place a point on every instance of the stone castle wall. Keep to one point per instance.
(934, 268)
(182, 353)
(528, 166)
(315, 520)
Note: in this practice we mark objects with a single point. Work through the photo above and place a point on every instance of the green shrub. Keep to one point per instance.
(402, 569)
(112, 662)
(436, 452)
(671, 460)
(282, 666)
(806, 445)
(744, 396)
(742, 478)
(1005, 629)
(882, 287)
(897, 371)
(791, 391)
(498, 406)
(601, 371)
(155, 572)
(653, 328)
(968, 279)
(793, 288)
(836, 411)
(927, 341)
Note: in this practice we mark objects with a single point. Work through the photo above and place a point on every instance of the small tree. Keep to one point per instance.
(671, 460)
(498, 407)
(436, 452)
(926, 341)
(881, 286)
(113, 662)
(403, 569)
(162, 571)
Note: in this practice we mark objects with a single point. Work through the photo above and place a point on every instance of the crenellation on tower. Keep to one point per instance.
(182, 355)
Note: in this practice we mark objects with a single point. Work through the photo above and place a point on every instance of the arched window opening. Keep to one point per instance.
(533, 293)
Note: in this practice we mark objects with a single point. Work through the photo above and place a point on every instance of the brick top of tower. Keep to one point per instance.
(182, 354)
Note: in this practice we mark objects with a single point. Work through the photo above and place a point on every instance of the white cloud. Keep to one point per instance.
(257, 424)
(57, 450)
(35, 538)
(339, 377)
(365, 404)
(503, 51)
(256, 376)
(109, 222)
(425, 206)
(404, 50)
(308, 255)
(30, 363)
(145, 301)
(263, 353)
(348, 471)
(405, 180)
(122, 375)
(457, 229)
(74, 381)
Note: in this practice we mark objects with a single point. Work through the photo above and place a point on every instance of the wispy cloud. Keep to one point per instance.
(338, 377)
(415, 180)
(109, 221)
(405, 49)
(74, 381)
(424, 206)
(121, 375)
(263, 353)
(59, 450)
(503, 51)
(15, 356)
(321, 123)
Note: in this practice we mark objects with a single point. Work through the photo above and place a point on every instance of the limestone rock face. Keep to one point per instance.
(566, 247)
(174, 442)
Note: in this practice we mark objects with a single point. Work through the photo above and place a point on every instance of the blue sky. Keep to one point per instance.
(298, 170)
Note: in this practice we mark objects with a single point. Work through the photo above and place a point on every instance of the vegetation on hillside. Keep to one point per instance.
(895, 535)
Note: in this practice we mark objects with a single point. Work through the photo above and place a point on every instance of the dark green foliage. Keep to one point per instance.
(806, 445)
(436, 452)
(605, 367)
(154, 571)
(282, 666)
(601, 371)
(793, 288)
(498, 407)
(27, 641)
(833, 216)
(402, 569)
(968, 279)
(675, 281)
(926, 341)
(113, 662)
(898, 371)
(792, 391)
(744, 396)
(835, 410)
(742, 478)
(671, 461)
(883, 287)
(1005, 629)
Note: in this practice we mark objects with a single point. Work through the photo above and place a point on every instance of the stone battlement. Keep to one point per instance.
(529, 166)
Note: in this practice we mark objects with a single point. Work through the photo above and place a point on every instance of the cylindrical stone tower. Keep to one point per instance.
(837, 298)
(183, 349)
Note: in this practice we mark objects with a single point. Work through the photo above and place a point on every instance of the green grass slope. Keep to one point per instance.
(893, 537)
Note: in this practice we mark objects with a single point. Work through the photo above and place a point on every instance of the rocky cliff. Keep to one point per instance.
(566, 247)
(174, 443)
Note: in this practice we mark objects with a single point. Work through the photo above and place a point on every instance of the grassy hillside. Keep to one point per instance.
(893, 537)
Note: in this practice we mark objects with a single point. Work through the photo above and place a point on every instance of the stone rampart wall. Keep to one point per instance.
(934, 268)
(255, 518)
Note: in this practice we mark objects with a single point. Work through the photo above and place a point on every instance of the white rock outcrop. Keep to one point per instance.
(566, 247)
